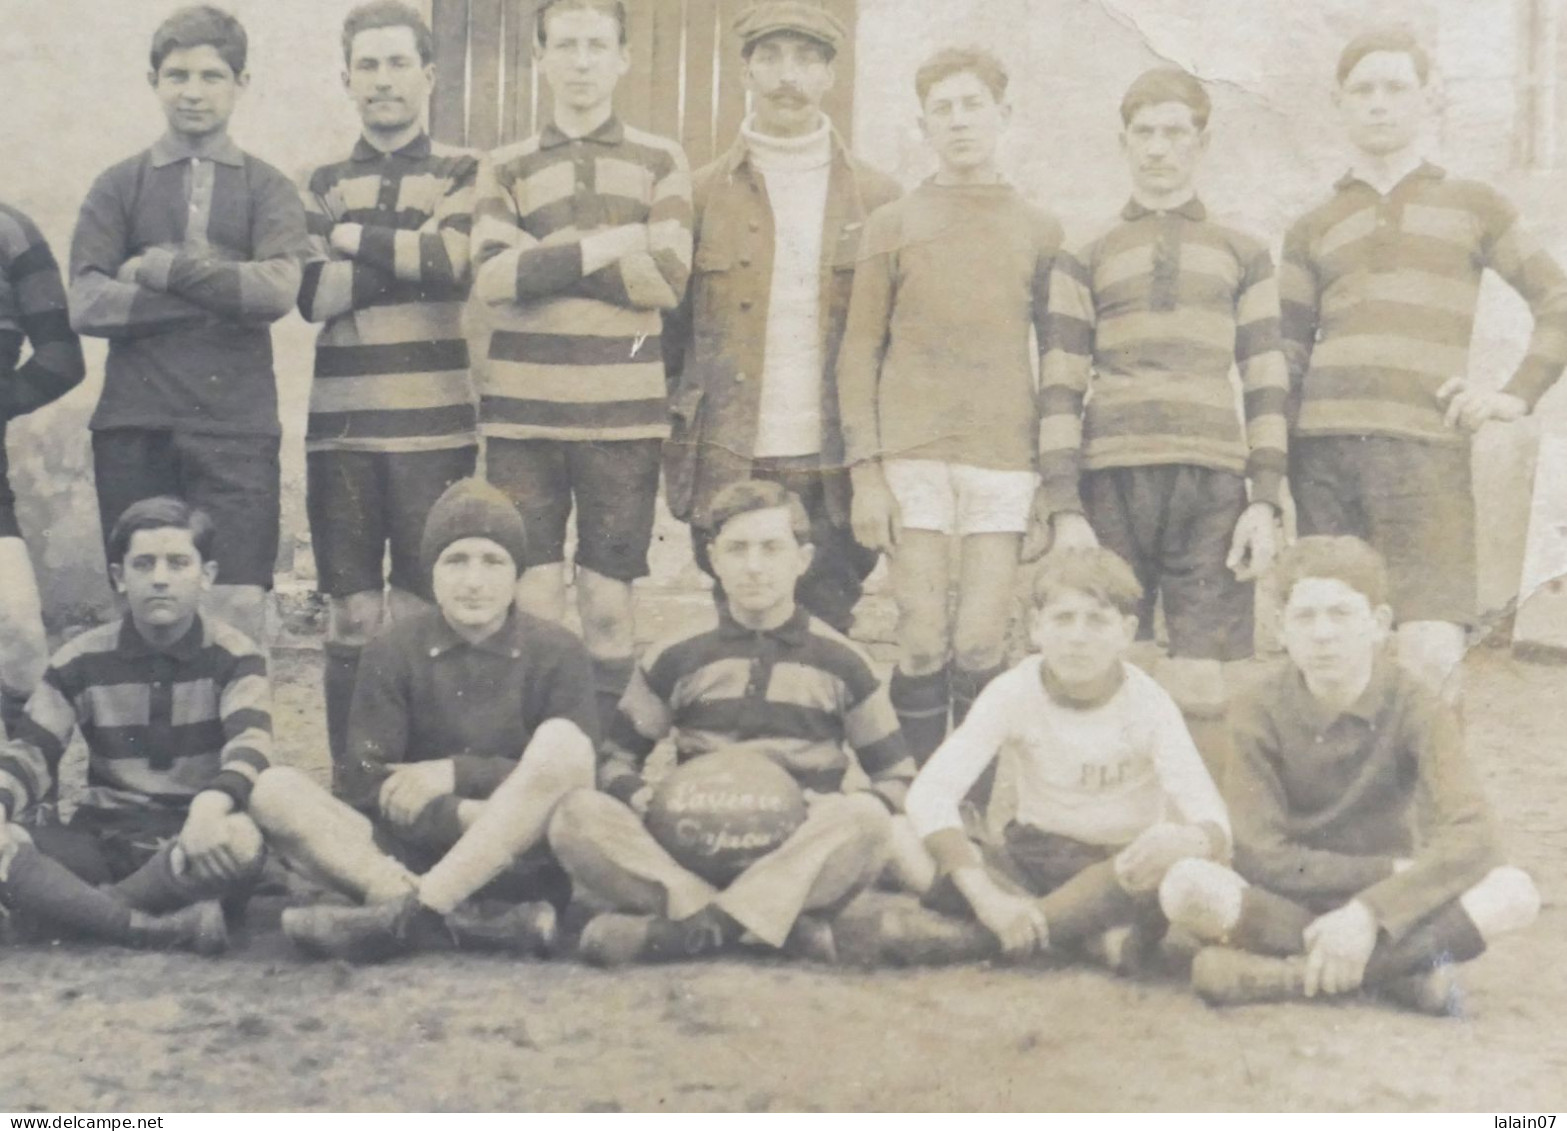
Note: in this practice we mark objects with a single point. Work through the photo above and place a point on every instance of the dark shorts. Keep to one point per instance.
(1028, 860)
(1413, 502)
(233, 478)
(614, 485)
(361, 503)
(535, 875)
(1173, 524)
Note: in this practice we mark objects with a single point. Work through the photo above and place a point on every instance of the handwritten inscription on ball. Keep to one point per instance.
(721, 812)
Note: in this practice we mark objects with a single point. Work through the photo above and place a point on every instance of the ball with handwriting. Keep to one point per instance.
(721, 812)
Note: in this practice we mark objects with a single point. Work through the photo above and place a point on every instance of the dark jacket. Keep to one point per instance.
(713, 343)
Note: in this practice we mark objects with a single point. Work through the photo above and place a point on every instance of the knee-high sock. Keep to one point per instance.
(1090, 902)
(610, 677)
(155, 888)
(921, 703)
(46, 891)
(1448, 935)
(966, 686)
(337, 685)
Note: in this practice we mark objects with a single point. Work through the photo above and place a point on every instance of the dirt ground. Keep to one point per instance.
(107, 1030)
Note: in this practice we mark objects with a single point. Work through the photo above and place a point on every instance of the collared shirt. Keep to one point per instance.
(1378, 294)
(189, 345)
(949, 298)
(575, 356)
(426, 693)
(161, 724)
(1324, 802)
(797, 693)
(32, 309)
(1152, 315)
(391, 370)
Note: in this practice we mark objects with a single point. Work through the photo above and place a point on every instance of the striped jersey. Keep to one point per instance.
(181, 257)
(32, 309)
(1153, 315)
(574, 356)
(798, 694)
(1378, 295)
(392, 358)
(161, 724)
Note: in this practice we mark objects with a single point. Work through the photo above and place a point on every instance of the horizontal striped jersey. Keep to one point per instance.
(1153, 315)
(574, 356)
(1378, 296)
(798, 694)
(182, 256)
(32, 310)
(161, 724)
(392, 357)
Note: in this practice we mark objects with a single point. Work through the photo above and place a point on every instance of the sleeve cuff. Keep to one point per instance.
(1267, 486)
(156, 264)
(236, 785)
(952, 850)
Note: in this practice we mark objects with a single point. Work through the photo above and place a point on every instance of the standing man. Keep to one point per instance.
(1379, 287)
(32, 310)
(753, 350)
(391, 410)
(1151, 315)
(182, 256)
(582, 236)
(936, 380)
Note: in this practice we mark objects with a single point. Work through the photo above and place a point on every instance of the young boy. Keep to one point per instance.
(1365, 853)
(470, 721)
(582, 236)
(936, 383)
(32, 310)
(767, 676)
(182, 256)
(391, 409)
(174, 709)
(1110, 790)
(1379, 287)
(1141, 447)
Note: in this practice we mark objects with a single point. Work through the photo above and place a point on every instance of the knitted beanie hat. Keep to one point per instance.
(471, 508)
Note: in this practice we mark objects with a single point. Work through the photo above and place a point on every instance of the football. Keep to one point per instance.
(721, 812)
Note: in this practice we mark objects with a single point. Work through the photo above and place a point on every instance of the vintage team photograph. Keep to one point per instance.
(783, 556)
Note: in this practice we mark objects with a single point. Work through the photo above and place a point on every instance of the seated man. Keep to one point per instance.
(1340, 756)
(470, 721)
(1110, 790)
(174, 709)
(765, 675)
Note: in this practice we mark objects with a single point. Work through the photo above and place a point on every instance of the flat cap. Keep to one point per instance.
(799, 16)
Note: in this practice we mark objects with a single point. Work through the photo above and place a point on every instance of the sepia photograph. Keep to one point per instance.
(778, 556)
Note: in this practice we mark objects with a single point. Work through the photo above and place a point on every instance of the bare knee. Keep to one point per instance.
(922, 641)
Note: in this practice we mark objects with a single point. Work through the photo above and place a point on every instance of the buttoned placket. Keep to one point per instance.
(160, 712)
(200, 179)
(1166, 261)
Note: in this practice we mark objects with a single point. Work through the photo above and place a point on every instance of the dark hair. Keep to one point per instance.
(759, 495)
(951, 61)
(1100, 573)
(163, 512)
(615, 9)
(1167, 84)
(1400, 40)
(201, 25)
(388, 13)
(1340, 558)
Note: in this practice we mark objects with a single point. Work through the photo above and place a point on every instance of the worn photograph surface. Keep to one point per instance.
(783, 555)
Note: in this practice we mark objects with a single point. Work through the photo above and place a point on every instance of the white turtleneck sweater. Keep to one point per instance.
(796, 171)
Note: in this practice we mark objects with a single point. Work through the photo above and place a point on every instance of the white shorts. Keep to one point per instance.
(959, 498)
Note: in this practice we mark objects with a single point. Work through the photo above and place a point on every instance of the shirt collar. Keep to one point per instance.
(792, 632)
(185, 649)
(505, 641)
(1193, 210)
(1423, 171)
(1366, 707)
(172, 148)
(611, 132)
(419, 147)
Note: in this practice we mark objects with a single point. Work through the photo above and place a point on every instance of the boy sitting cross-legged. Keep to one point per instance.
(1340, 757)
(174, 708)
(470, 722)
(1110, 791)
